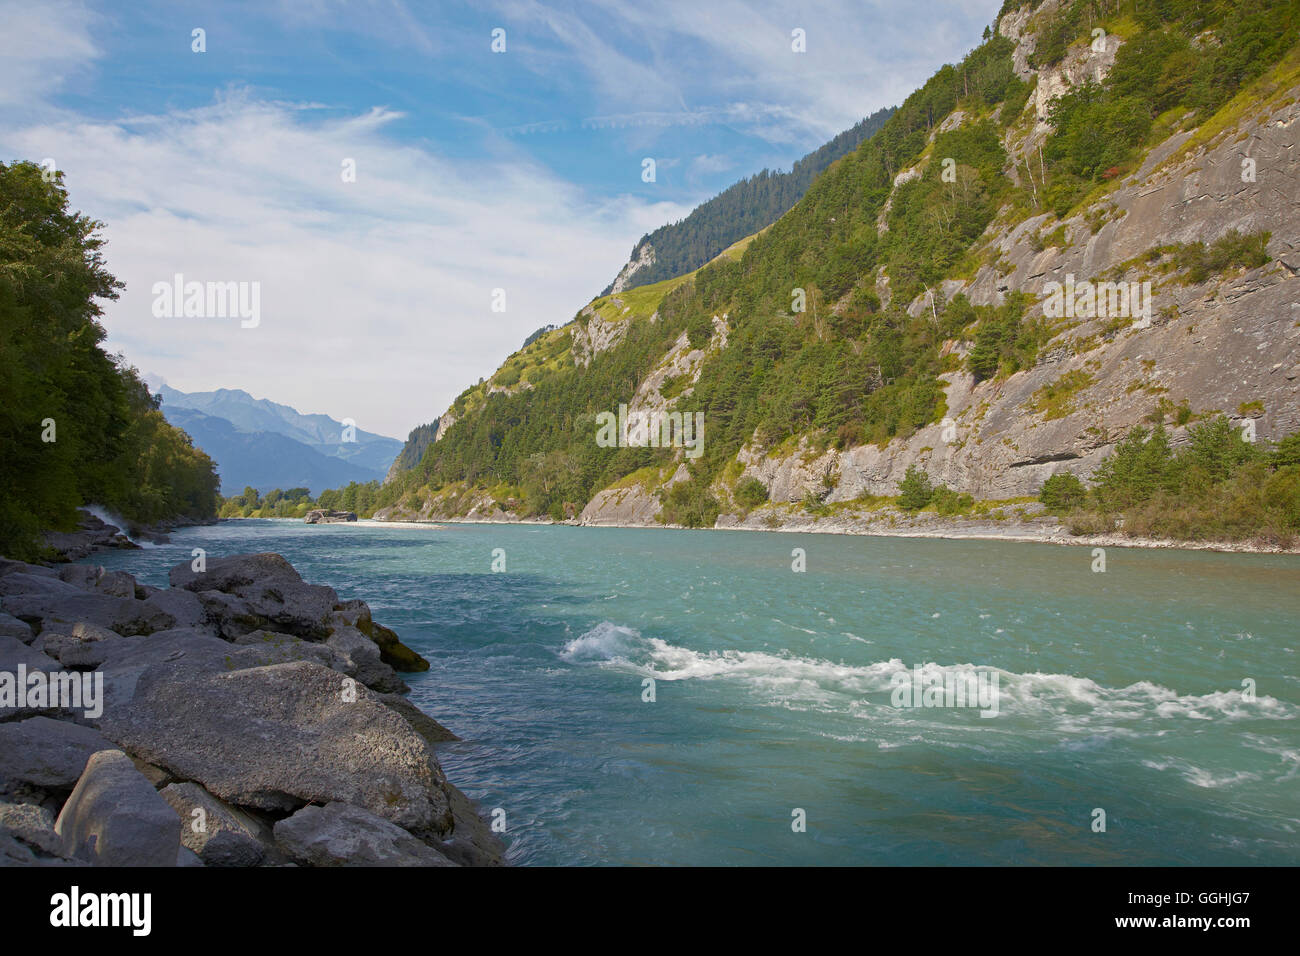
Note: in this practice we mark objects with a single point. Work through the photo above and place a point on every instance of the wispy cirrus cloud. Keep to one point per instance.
(732, 61)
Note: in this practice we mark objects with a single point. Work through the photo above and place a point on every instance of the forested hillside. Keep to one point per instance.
(76, 425)
(738, 211)
(893, 320)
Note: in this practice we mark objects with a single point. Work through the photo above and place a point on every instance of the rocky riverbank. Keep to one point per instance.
(239, 717)
(93, 534)
(1011, 521)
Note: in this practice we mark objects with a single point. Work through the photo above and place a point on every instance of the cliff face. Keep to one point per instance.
(1183, 346)
(1221, 344)
(643, 257)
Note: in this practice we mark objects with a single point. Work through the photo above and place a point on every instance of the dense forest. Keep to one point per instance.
(77, 425)
(742, 209)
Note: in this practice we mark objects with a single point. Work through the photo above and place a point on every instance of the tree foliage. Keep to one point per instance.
(76, 425)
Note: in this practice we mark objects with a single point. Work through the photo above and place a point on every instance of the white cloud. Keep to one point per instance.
(41, 48)
(375, 294)
(737, 54)
(705, 164)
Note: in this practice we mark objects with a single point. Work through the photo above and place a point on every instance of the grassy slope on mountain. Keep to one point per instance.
(76, 425)
(850, 369)
(741, 210)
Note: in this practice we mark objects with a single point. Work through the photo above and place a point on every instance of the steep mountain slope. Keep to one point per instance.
(417, 443)
(315, 446)
(738, 211)
(908, 311)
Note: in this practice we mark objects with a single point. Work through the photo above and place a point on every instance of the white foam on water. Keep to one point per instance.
(1199, 776)
(118, 522)
(1071, 702)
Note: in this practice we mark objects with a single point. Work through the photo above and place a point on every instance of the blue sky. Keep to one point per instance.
(475, 170)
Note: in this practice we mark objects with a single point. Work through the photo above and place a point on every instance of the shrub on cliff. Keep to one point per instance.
(1063, 493)
(915, 490)
(949, 503)
(751, 493)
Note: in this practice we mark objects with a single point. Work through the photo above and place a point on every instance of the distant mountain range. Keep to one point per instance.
(267, 445)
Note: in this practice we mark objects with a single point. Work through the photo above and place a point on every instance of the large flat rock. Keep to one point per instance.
(281, 736)
(124, 615)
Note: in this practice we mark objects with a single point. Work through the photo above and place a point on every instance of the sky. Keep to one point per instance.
(409, 203)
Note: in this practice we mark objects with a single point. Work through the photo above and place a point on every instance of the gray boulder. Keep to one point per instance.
(177, 652)
(62, 641)
(220, 834)
(91, 577)
(471, 842)
(299, 737)
(231, 615)
(126, 616)
(260, 648)
(83, 576)
(339, 834)
(272, 594)
(10, 626)
(48, 610)
(32, 825)
(117, 584)
(42, 759)
(178, 608)
(324, 516)
(361, 655)
(187, 857)
(13, 653)
(391, 650)
(9, 566)
(16, 852)
(116, 818)
(23, 583)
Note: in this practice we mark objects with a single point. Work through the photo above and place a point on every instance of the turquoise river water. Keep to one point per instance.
(1164, 691)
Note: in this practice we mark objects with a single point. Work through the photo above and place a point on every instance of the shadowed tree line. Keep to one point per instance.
(77, 425)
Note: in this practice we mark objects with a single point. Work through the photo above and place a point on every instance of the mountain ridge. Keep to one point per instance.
(740, 210)
(269, 444)
(895, 318)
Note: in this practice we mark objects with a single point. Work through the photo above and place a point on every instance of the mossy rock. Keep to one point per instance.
(391, 649)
